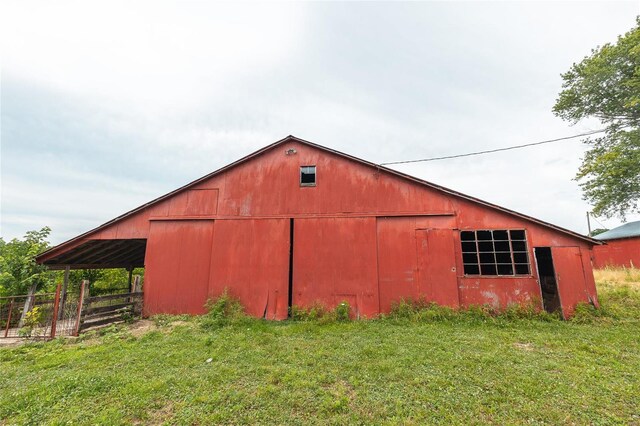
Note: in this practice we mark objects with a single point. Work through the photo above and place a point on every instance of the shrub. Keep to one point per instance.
(298, 313)
(405, 308)
(25, 331)
(586, 313)
(420, 310)
(342, 311)
(223, 311)
(530, 311)
(32, 319)
(317, 311)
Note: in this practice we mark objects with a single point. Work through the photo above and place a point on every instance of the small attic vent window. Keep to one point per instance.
(308, 176)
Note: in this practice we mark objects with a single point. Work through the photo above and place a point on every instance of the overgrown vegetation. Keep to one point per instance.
(103, 281)
(32, 319)
(223, 311)
(420, 365)
(320, 313)
(420, 310)
(19, 271)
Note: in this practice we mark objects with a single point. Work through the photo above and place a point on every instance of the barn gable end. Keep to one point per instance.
(362, 233)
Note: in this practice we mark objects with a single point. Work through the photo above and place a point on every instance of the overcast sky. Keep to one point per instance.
(107, 105)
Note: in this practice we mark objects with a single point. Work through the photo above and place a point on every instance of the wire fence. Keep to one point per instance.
(47, 315)
(32, 316)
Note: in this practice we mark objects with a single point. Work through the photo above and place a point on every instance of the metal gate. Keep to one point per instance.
(47, 315)
(38, 316)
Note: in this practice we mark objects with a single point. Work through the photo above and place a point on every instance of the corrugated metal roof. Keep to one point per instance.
(628, 230)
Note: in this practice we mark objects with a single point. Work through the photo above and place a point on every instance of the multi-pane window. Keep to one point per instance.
(308, 176)
(495, 252)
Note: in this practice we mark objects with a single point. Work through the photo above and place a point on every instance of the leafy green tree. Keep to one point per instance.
(18, 268)
(19, 271)
(91, 275)
(103, 281)
(606, 86)
(597, 231)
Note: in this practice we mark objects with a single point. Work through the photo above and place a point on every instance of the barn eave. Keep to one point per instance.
(55, 256)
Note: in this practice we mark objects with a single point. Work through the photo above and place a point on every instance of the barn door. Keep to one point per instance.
(334, 260)
(177, 266)
(570, 278)
(437, 276)
(250, 259)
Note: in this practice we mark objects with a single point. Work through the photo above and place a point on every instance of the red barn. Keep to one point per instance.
(622, 247)
(297, 223)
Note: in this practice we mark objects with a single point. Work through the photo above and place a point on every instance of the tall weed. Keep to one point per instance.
(320, 313)
(419, 310)
(222, 311)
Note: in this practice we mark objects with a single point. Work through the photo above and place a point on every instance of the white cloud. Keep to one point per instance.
(158, 54)
(107, 105)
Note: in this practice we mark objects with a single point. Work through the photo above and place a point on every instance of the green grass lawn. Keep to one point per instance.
(467, 369)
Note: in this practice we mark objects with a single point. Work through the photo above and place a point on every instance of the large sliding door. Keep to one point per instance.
(437, 276)
(334, 260)
(177, 266)
(250, 259)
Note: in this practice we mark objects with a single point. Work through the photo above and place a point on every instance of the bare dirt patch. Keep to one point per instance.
(524, 346)
(142, 327)
(12, 341)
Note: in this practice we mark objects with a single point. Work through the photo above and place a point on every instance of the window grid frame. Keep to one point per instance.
(512, 252)
(315, 176)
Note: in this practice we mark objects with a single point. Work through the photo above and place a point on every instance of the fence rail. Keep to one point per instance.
(37, 316)
(47, 315)
(102, 310)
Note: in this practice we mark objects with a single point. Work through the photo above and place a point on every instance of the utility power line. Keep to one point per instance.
(600, 223)
(469, 154)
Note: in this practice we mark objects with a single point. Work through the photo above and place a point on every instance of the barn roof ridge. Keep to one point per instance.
(291, 138)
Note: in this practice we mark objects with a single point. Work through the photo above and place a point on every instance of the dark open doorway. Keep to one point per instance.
(290, 300)
(547, 276)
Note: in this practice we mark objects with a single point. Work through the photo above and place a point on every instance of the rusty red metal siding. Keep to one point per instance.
(437, 274)
(334, 260)
(502, 291)
(589, 281)
(361, 234)
(567, 262)
(250, 259)
(177, 266)
(413, 266)
(397, 260)
(499, 292)
(618, 253)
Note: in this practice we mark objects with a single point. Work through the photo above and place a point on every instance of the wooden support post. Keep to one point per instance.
(28, 304)
(130, 278)
(80, 307)
(65, 285)
(56, 307)
(6, 330)
(137, 284)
